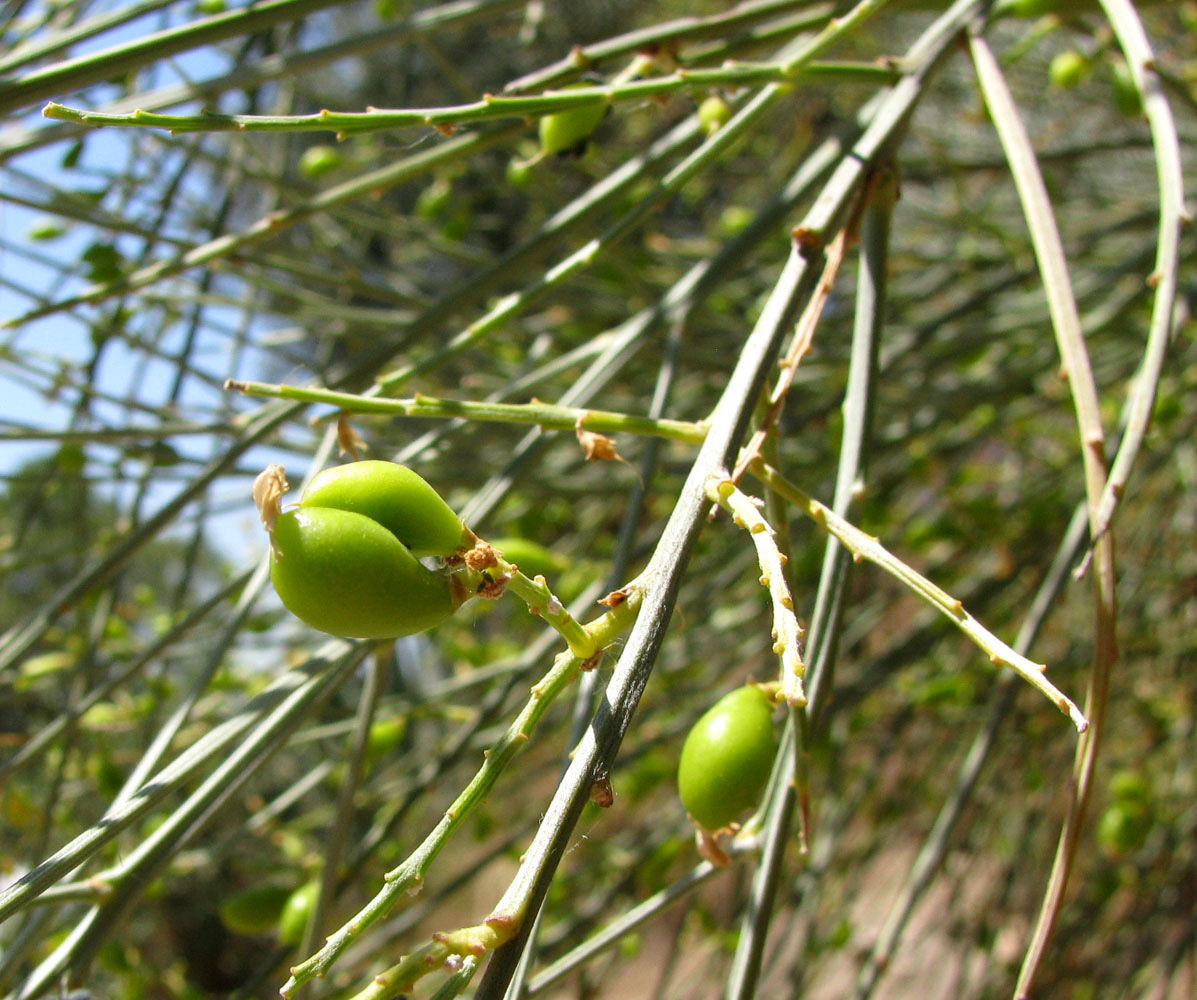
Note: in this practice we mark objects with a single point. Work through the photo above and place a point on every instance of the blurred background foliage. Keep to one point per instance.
(135, 627)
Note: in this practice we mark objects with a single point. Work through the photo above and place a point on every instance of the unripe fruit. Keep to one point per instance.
(1069, 69)
(727, 757)
(46, 228)
(255, 910)
(519, 173)
(394, 496)
(317, 161)
(434, 200)
(296, 913)
(1030, 8)
(568, 130)
(713, 114)
(347, 575)
(1130, 786)
(1123, 828)
(345, 561)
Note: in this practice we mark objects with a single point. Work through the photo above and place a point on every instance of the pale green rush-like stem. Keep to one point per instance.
(543, 602)
(95, 67)
(864, 546)
(1128, 30)
(242, 76)
(408, 877)
(484, 572)
(1066, 323)
(737, 19)
(667, 565)
(787, 633)
(136, 869)
(267, 227)
(490, 107)
(545, 415)
(709, 152)
(458, 952)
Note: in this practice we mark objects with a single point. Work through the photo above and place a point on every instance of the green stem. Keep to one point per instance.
(490, 107)
(731, 23)
(95, 67)
(269, 226)
(544, 415)
(543, 602)
(864, 546)
(407, 879)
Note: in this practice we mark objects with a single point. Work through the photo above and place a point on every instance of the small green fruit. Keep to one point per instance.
(255, 910)
(1131, 786)
(1030, 8)
(519, 173)
(566, 131)
(735, 219)
(434, 200)
(727, 757)
(317, 161)
(385, 736)
(713, 114)
(297, 911)
(46, 228)
(1069, 69)
(347, 575)
(1123, 827)
(346, 560)
(394, 496)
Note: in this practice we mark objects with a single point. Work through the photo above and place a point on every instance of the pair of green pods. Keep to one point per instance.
(346, 560)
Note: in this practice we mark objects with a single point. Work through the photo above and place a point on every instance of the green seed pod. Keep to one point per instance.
(1131, 786)
(297, 912)
(727, 757)
(1124, 827)
(317, 161)
(1069, 69)
(568, 130)
(713, 114)
(1029, 8)
(395, 497)
(255, 910)
(347, 575)
(46, 228)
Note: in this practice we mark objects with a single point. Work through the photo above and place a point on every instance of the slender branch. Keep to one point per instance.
(95, 67)
(1165, 275)
(269, 226)
(935, 846)
(490, 107)
(666, 33)
(792, 784)
(406, 880)
(544, 415)
(787, 633)
(1049, 254)
(804, 335)
(864, 546)
(729, 423)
